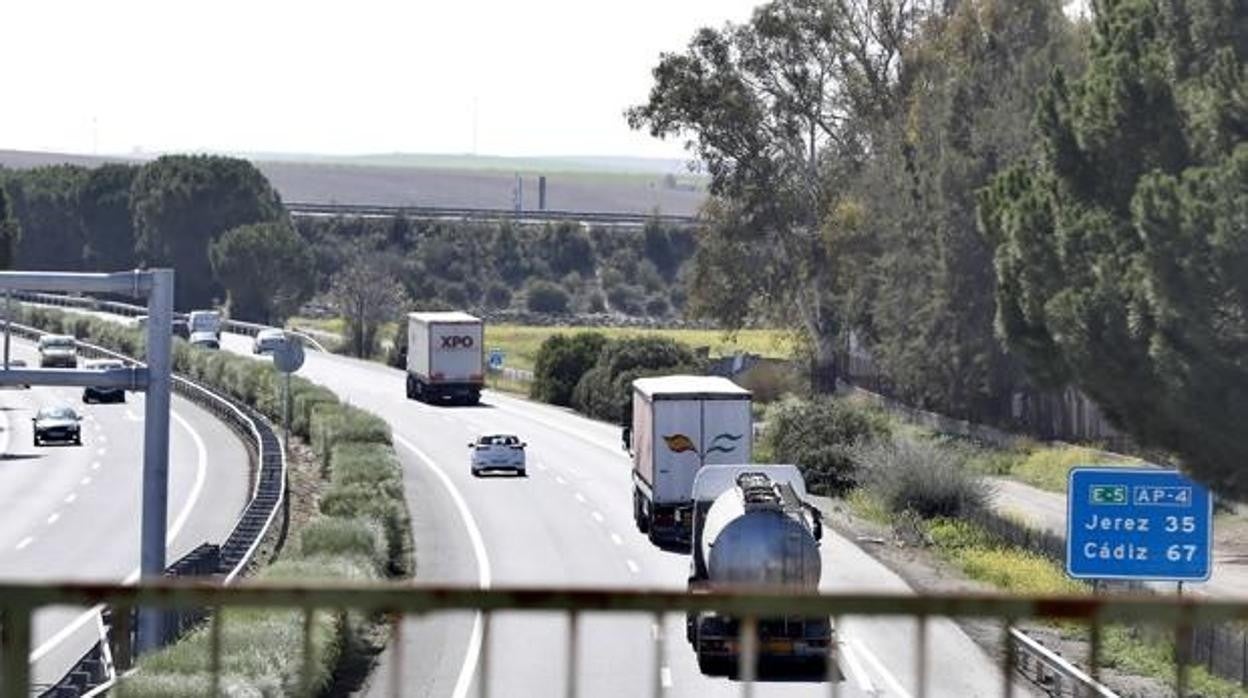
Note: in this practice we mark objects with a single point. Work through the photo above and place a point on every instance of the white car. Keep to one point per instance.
(205, 340)
(498, 452)
(268, 341)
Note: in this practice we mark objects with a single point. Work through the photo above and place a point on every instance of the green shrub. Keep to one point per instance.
(333, 423)
(364, 463)
(546, 297)
(305, 398)
(770, 381)
(606, 390)
(561, 362)
(923, 476)
(820, 436)
(382, 502)
(345, 537)
(261, 649)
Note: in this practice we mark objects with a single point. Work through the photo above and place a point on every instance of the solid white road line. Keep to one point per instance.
(201, 471)
(894, 686)
(25, 542)
(469, 667)
(855, 668)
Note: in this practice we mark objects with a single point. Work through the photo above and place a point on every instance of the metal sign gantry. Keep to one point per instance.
(155, 379)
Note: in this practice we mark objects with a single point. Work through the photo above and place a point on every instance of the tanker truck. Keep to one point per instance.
(752, 527)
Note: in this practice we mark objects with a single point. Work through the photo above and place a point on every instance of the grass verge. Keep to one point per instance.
(521, 342)
(1045, 467)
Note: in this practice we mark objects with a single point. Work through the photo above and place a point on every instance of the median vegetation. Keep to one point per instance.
(360, 531)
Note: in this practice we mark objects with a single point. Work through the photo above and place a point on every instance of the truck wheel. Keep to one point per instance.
(411, 391)
(639, 513)
(713, 666)
(473, 400)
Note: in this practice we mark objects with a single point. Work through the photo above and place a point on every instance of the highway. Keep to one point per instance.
(72, 512)
(570, 524)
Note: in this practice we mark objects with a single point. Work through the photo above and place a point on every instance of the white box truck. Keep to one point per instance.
(681, 423)
(445, 357)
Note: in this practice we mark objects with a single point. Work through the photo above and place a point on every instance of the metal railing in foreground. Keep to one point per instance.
(18, 602)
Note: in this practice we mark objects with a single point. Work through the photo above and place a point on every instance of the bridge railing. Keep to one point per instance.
(1020, 656)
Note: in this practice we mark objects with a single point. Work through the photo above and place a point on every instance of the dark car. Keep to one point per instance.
(57, 424)
(93, 393)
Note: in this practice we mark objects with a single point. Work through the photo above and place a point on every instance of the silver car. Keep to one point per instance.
(268, 341)
(58, 351)
(498, 452)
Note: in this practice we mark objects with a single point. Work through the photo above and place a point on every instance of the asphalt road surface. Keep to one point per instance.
(72, 512)
(569, 524)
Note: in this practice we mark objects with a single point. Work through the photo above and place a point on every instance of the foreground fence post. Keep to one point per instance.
(14, 652)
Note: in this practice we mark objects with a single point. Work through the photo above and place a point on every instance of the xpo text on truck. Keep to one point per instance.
(445, 357)
(680, 424)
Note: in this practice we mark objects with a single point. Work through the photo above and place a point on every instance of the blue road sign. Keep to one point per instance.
(1129, 523)
(496, 359)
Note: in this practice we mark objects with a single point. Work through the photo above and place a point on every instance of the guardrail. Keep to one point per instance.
(95, 672)
(462, 213)
(249, 329)
(19, 601)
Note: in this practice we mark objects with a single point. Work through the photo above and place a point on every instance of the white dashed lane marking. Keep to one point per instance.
(580, 497)
(25, 542)
(53, 519)
(69, 499)
(85, 481)
(632, 566)
(615, 538)
(598, 517)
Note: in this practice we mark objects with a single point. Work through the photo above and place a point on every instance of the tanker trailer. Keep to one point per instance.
(752, 527)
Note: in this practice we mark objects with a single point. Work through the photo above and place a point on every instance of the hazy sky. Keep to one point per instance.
(547, 77)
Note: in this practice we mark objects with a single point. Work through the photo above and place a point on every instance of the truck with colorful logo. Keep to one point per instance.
(445, 357)
(680, 424)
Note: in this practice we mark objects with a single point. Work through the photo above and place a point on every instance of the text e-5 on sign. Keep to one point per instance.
(1138, 523)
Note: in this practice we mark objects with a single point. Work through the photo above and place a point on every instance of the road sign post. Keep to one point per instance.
(287, 358)
(1136, 523)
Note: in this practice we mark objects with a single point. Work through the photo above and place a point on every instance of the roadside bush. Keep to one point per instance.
(497, 296)
(605, 391)
(345, 537)
(334, 423)
(820, 436)
(626, 298)
(596, 302)
(355, 462)
(384, 504)
(770, 381)
(261, 649)
(561, 362)
(657, 306)
(546, 297)
(923, 476)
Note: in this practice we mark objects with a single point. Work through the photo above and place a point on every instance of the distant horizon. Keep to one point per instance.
(582, 162)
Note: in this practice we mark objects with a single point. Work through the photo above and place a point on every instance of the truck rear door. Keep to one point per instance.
(728, 433)
(677, 449)
(455, 352)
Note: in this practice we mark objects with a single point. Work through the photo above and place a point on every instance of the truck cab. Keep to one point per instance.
(205, 321)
